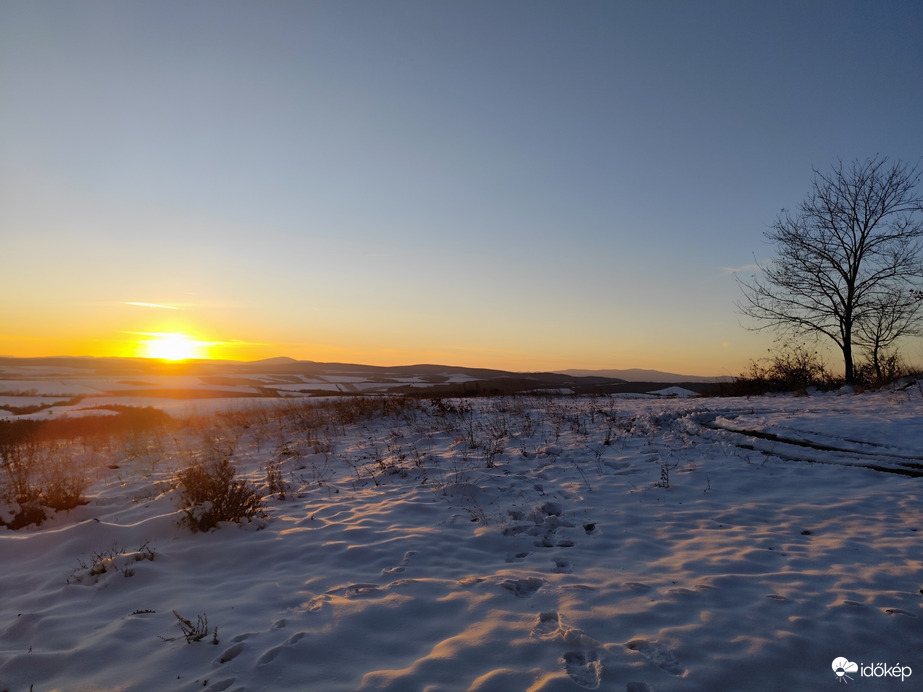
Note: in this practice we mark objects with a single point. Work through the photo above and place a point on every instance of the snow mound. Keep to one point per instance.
(675, 392)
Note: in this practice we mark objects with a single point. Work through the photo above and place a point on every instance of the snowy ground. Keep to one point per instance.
(492, 544)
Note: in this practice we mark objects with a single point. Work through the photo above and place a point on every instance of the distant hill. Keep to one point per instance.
(278, 360)
(270, 376)
(287, 377)
(640, 375)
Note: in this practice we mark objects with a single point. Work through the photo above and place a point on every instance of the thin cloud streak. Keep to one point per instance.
(729, 271)
(231, 342)
(154, 305)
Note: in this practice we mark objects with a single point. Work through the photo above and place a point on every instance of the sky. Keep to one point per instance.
(525, 185)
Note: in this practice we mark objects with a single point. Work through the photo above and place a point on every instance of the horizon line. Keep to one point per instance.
(178, 362)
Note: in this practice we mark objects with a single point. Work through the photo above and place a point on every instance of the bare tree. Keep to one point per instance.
(892, 313)
(849, 259)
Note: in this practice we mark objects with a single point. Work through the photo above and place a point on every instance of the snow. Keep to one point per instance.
(491, 544)
(176, 394)
(680, 392)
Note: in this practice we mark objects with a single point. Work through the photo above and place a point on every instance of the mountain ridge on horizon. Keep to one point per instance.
(643, 375)
(260, 377)
(625, 375)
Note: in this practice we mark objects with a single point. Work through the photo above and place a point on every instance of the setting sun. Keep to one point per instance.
(173, 347)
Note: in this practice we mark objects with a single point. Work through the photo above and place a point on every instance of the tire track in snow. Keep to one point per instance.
(791, 448)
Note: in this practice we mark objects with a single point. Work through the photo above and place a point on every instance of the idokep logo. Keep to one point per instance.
(843, 666)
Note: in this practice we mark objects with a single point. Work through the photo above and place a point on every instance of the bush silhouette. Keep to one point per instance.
(210, 493)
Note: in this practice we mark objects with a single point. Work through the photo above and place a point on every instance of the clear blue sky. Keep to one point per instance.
(524, 185)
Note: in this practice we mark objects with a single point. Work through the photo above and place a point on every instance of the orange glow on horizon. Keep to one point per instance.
(177, 347)
(180, 340)
(173, 347)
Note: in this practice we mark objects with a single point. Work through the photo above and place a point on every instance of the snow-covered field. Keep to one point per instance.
(548, 543)
(42, 391)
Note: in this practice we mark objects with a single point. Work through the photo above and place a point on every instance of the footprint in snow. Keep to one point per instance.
(658, 654)
(637, 586)
(546, 541)
(470, 581)
(397, 569)
(549, 623)
(231, 653)
(582, 664)
(268, 656)
(523, 588)
(510, 557)
(550, 626)
(584, 668)
(362, 590)
(898, 611)
(317, 603)
(561, 567)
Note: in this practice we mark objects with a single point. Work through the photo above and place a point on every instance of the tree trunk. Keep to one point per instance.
(848, 362)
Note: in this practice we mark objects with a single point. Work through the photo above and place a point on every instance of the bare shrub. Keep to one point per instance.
(41, 464)
(210, 493)
(194, 632)
(791, 369)
(114, 559)
(882, 370)
(37, 476)
(19, 465)
(63, 480)
(274, 481)
(665, 469)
